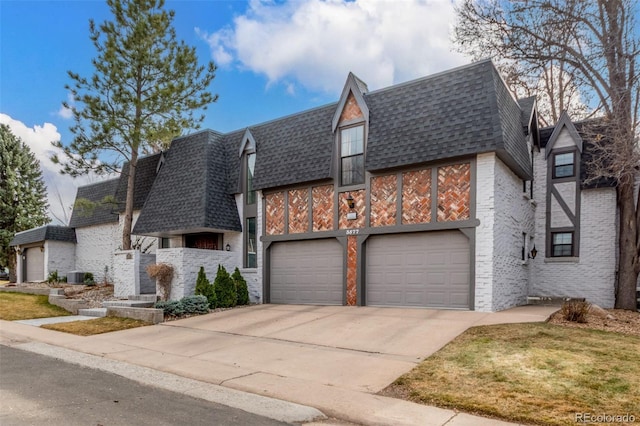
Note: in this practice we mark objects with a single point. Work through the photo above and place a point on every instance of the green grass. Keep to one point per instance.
(97, 326)
(534, 373)
(21, 306)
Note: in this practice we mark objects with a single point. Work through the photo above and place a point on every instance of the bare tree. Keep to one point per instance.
(597, 44)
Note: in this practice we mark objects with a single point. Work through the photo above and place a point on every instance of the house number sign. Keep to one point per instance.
(353, 231)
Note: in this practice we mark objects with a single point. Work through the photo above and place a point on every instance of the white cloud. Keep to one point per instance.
(317, 42)
(39, 139)
(67, 112)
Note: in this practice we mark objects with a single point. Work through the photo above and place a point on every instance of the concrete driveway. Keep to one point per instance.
(332, 358)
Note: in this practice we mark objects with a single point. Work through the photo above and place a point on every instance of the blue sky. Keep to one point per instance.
(274, 58)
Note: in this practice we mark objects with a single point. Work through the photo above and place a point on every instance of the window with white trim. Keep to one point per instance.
(352, 155)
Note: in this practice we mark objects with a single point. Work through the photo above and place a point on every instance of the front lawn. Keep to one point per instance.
(97, 326)
(21, 306)
(534, 373)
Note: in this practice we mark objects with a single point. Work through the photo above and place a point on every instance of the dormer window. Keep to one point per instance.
(352, 155)
(563, 165)
(251, 165)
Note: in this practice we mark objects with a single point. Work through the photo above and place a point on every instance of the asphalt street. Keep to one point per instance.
(39, 390)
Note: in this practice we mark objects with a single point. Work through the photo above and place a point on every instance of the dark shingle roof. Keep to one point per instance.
(526, 105)
(145, 175)
(588, 130)
(44, 233)
(190, 192)
(103, 212)
(294, 149)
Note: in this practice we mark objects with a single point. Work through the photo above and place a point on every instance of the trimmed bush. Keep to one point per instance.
(172, 308)
(195, 304)
(206, 289)
(575, 310)
(241, 287)
(88, 279)
(225, 289)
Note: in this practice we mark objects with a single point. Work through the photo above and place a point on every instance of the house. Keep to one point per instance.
(441, 192)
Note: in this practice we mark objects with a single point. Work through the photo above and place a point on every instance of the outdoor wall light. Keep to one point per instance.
(228, 247)
(533, 253)
(41, 249)
(351, 203)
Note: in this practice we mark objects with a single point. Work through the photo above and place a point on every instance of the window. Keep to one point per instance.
(561, 244)
(164, 243)
(251, 165)
(205, 241)
(251, 259)
(352, 156)
(563, 165)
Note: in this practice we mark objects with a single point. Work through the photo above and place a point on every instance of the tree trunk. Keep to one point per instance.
(128, 209)
(628, 268)
(13, 262)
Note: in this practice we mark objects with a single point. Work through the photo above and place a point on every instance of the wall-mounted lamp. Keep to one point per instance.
(41, 249)
(351, 203)
(533, 253)
(227, 247)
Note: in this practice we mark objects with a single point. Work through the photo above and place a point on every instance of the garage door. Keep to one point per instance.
(428, 269)
(35, 264)
(307, 272)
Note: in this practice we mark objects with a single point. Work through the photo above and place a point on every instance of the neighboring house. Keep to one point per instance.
(431, 193)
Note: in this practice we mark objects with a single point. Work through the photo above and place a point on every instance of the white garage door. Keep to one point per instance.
(427, 269)
(307, 272)
(35, 264)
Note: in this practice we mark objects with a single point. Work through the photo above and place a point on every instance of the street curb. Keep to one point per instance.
(256, 404)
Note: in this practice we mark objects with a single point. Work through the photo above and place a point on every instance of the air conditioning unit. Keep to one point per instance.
(75, 277)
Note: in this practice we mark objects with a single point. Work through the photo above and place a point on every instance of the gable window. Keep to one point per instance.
(563, 165)
(561, 244)
(352, 156)
(251, 165)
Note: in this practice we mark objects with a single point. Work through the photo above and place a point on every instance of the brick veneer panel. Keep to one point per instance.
(351, 110)
(322, 199)
(298, 211)
(359, 199)
(275, 213)
(384, 193)
(454, 184)
(416, 197)
(352, 271)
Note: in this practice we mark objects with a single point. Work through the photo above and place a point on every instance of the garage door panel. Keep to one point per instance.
(35, 264)
(307, 272)
(433, 270)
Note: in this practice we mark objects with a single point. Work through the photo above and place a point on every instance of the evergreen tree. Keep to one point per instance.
(241, 287)
(144, 90)
(23, 194)
(225, 289)
(205, 288)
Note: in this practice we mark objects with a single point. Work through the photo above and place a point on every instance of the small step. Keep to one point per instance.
(93, 312)
(128, 303)
(145, 297)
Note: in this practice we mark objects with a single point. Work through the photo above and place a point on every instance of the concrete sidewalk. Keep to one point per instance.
(332, 358)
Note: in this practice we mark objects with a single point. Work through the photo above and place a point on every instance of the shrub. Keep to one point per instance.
(53, 277)
(195, 304)
(88, 279)
(163, 274)
(225, 289)
(575, 310)
(205, 288)
(172, 308)
(241, 287)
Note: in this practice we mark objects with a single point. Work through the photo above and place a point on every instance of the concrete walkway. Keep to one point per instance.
(332, 358)
(37, 322)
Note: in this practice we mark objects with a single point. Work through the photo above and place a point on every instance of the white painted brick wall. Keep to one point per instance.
(485, 212)
(186, 263)
(592, 275)
(514, 215)
(59, 256)
(125, 263)
(95, 248)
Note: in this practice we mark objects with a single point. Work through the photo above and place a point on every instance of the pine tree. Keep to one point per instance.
(225, 289)
(23, 194)
(241, 287)
(144, 90)
(205, 288)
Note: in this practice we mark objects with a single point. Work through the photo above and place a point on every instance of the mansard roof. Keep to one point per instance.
(44, 233)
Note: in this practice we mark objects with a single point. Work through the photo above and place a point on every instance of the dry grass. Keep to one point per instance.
(97, 326)
(20, 306)
(533, 373)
